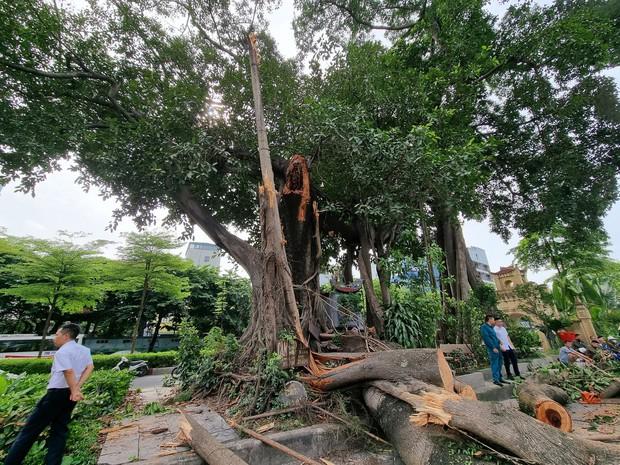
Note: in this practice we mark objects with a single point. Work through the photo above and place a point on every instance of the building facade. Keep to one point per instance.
(516, 308)
(481, 262)
(203, 253)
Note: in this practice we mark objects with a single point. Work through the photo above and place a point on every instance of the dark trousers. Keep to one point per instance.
(510, 357)
(53, 410)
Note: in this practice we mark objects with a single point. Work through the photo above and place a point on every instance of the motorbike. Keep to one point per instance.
(138, 367)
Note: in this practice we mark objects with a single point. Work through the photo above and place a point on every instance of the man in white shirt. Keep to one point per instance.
(507, 347)
(71, 368)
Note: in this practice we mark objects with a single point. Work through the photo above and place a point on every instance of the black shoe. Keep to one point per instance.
(510, 377)
(498, 383)
(504, 382)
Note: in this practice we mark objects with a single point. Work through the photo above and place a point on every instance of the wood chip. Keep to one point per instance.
(117, 428)
(267, 427)
(158, 430)
(327, 462)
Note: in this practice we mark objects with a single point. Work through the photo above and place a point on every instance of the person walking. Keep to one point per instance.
(507, 347)
(71, 368)
(493, 349)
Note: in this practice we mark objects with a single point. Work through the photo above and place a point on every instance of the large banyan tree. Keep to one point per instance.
(455, 114)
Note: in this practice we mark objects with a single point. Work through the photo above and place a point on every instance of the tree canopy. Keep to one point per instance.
(457, 113)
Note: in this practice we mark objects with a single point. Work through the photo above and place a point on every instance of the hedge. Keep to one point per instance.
(43, 365)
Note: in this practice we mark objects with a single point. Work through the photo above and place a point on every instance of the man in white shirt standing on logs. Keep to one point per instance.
(508, 348)
(71, 368)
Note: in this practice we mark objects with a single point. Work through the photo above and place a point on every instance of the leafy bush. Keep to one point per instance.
(411, 320)
(201, 359)
(525, 340)
(462, 362)
(103, 392)
(102, 362)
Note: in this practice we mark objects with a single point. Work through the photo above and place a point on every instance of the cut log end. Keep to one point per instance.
(552, 413)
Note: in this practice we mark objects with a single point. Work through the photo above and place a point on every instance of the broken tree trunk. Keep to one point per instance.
(277, 284)
(545, 403)
(464, 390)
(204, 444)
(491, 422)
(429, 365)
(416, 445)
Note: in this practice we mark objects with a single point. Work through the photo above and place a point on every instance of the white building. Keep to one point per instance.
(481, 262)
(203, 253)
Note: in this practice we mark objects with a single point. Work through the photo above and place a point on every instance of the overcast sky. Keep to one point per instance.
(60, 204)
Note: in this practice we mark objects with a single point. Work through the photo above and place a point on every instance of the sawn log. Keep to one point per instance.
(514, 431)
(204, 444)
(545, 402)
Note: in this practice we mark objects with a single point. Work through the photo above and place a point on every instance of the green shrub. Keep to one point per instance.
(103, 393)
(102, 362)
(526, 341)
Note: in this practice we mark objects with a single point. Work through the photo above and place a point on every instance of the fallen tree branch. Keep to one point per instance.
(281, 411)
(348, 423)
(276, 445)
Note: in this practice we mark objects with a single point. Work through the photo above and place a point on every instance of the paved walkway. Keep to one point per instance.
(152, 388)
(155, 436)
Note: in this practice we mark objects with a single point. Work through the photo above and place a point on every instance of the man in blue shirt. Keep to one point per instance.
(493, 349)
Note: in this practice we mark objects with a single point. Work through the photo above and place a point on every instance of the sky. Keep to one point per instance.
(61, 204)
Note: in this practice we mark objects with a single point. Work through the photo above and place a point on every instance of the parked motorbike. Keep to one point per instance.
(138, 367)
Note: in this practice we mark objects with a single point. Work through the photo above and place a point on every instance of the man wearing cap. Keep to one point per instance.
(71, 368)
(508, 349)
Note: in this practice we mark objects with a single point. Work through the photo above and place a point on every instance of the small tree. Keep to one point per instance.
(58, 273)
(146, 263)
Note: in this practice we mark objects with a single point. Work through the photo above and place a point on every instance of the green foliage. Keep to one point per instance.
(575, 379)
(411, 320)
(561, 249)
(273, 378)
(102, 362)
(146, 262)
(525, 340)
(58, 273)
(202, 360)
(190, 347)
(222, 301)
(103, 392)
(462, 362)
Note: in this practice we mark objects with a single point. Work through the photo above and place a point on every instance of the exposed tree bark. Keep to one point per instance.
(136, 328)
(514, 431)
(460, 269)
(242, 252)
(416, 445)
(347, 267)
(153, 341)
(427, 364)
(374, 312)
(300, 221)
(278, 309)
(545, 403)
(46, 327)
